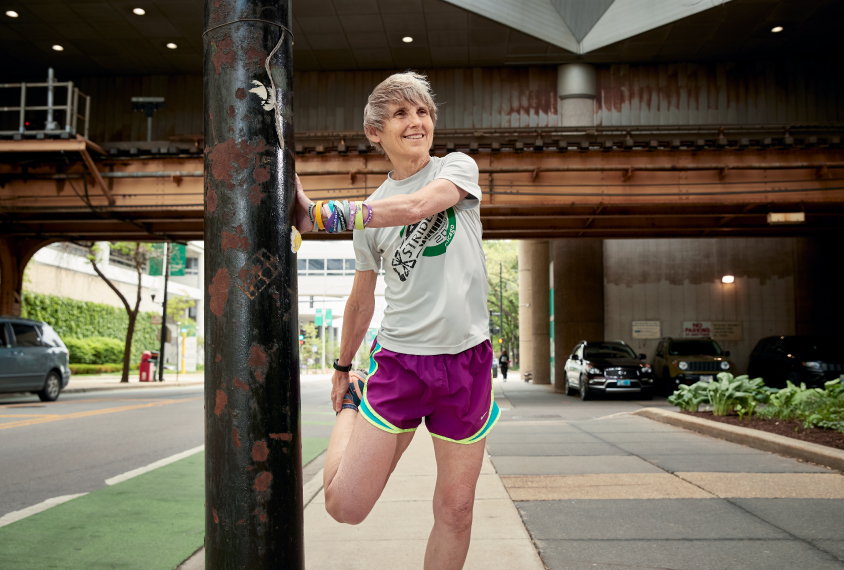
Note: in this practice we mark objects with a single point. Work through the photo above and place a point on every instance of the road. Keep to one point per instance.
(73, 445)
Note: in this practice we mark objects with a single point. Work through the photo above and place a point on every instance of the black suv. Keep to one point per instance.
(813, 360)
(32, 358)
(609, 368)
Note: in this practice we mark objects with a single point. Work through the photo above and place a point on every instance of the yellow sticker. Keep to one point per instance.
(295, 239)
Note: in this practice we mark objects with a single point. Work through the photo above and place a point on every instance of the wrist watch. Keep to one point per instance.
(341, 368)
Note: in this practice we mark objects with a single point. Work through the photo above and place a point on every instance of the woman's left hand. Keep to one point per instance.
(303, 221)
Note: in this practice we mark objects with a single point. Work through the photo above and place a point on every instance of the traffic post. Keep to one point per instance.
(253, 458)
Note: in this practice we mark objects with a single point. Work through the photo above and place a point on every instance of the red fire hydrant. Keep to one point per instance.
(146, 368)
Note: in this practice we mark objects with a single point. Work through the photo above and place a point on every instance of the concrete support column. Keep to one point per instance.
(15, 253)
(525, 309)
(540, 313)
(578, 298)
(576, 89)
(818, 289)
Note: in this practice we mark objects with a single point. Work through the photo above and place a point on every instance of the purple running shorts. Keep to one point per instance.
(453, 392)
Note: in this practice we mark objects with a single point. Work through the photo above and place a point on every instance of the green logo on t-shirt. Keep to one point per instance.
(428, 238)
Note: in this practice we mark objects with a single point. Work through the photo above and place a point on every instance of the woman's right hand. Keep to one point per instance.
(339, 387)
(303, 221)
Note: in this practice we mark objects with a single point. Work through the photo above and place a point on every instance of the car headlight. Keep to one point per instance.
(594, 371)
(812, 365)
(683, 366)
(725, 365)
(646, 369)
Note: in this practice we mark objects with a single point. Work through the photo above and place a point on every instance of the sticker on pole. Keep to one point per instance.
(295, 239)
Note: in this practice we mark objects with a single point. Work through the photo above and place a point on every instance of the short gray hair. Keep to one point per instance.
(400, 87)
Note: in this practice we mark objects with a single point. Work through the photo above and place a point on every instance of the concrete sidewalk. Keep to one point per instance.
(92, 383)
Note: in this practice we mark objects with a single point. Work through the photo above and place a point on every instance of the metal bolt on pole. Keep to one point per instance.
(253, 458)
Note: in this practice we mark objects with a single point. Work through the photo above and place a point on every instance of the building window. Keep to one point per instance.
(192, 266)
(335, 267)
(301, 265)
(192, 312)
(350, 266)
(316, 266)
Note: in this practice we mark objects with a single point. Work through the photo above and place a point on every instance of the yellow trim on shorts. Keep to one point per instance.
(366, 408)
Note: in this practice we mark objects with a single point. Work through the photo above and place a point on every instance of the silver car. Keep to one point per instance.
(32, 358)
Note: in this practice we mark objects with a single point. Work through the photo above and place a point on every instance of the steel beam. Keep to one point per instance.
(253, 460)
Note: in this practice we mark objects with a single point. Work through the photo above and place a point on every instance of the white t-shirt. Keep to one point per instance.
(435, 270)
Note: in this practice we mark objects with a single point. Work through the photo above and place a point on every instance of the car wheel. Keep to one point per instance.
(568, 389)
(584, 390)
(52, 388)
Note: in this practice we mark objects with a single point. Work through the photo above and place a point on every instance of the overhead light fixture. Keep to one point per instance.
(11, 13)
(776, 29)
(786, 218)
(57, 47)
(727, 279)
(171, 45)
(407, 39)
(139, 11)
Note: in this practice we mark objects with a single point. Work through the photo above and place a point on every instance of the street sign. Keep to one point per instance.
(177, 259)
(155, 319)
(318, 318)
(328, 318)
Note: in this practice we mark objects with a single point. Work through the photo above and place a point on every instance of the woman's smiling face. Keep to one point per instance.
(407, 134)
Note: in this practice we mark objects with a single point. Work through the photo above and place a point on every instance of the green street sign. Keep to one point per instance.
(178, 259)
(328, 318)
(318, 318)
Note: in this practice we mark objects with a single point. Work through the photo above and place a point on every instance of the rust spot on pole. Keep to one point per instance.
(211, 200)
(235, 437)
(224, 55)
(262, 481)
(261, 175)
(257, 273)
(240, 93)
(219, 291)
(216, 518)
(218, 358)
(236, 241)
(282, 436)
(222, 400)
(231, 111)
(255, 195)
(242, 385)
(260, 451)
(225, 155)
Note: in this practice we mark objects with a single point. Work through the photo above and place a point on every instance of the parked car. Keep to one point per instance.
(688, 360)
(32, 358)
(813, 360)
(608, 368)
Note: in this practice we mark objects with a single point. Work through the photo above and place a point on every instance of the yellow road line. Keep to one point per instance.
(91, 413)
(28, 415)
(67, 402)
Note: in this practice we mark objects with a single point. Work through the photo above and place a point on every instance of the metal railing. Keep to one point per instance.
(51, 126)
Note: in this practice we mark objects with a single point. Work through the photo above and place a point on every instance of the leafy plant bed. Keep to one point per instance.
(787, 428)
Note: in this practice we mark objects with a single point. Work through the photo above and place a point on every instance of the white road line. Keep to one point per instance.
(151, 466)
(29, 511)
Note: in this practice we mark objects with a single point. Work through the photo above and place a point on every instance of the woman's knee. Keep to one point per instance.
(343, 508)
(455, 511)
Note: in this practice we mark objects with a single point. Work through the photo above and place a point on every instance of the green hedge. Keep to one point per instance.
(77, 369)
(83, 320)
(95, 350)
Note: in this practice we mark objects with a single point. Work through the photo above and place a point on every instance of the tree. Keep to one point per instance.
(503, 254)
(139, 254)
(176, 308)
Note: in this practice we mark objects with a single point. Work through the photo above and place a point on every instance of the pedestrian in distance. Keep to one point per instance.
(432, 356)
(504, 363)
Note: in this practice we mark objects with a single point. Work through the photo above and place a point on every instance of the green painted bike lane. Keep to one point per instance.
(151, 522)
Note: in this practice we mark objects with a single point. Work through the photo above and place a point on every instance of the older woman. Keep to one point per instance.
(432, 357)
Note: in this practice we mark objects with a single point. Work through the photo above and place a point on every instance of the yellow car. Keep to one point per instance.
(688, 360)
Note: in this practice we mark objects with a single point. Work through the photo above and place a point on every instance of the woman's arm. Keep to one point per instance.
(356, 318)
(401, 210)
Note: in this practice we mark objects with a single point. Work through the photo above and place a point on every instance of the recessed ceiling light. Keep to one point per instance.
(776, 29)
(728, 279)
(139, 11)
(11, 13)
(407, 39)
(57, 47)
(171, 45)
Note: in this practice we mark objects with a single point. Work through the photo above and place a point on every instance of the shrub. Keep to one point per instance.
(80, 351)
(74, 319)
(726, 394)
(106, 350)
(82, 369)
(813, 406)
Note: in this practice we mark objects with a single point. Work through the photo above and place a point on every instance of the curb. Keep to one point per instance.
(757, 439)
(130, 386)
